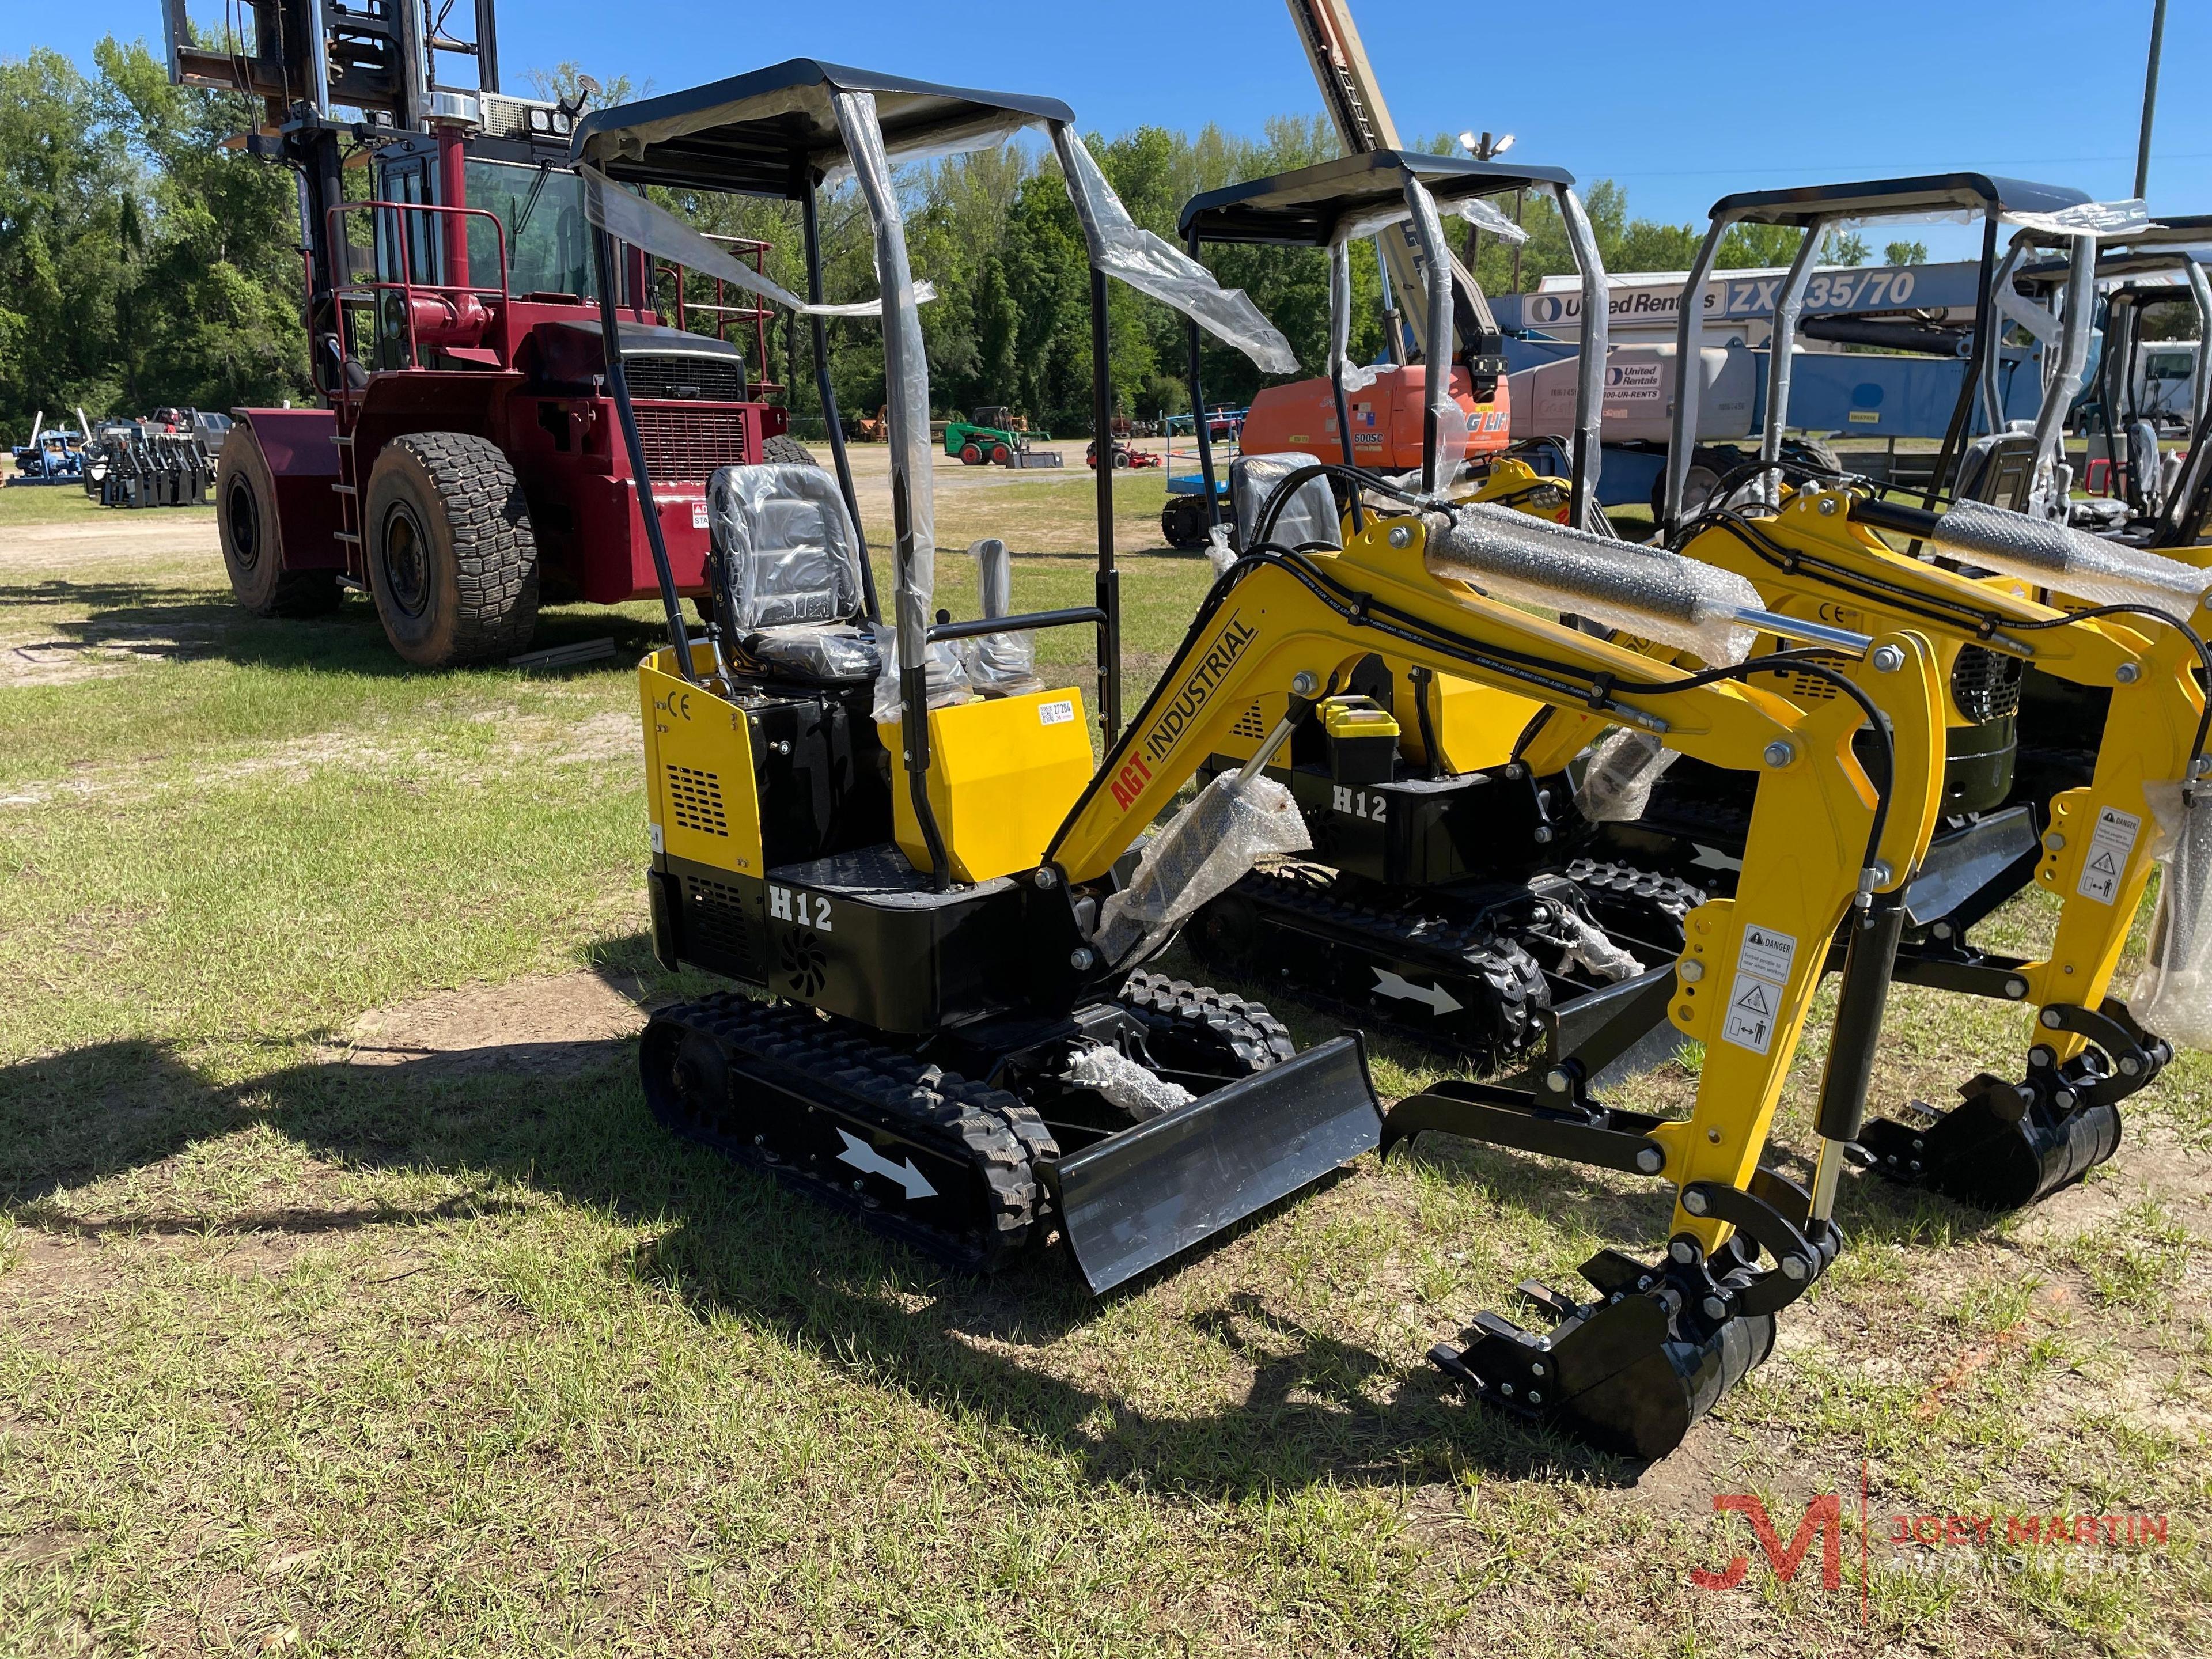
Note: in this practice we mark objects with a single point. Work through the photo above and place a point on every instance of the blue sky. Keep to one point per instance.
(1681, 103)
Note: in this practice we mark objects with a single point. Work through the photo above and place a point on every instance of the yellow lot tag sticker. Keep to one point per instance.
(1754, 1006)
(2109, 844)
(1056, 713)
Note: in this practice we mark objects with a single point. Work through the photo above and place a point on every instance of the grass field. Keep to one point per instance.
(351, 1303)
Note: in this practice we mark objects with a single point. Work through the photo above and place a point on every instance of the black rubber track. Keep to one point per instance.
(792, 1048)
(1196, 1028)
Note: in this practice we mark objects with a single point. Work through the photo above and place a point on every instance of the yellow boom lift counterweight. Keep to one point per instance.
(962, 1049)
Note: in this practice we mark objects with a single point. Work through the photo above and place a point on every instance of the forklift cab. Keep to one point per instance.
(519, 233)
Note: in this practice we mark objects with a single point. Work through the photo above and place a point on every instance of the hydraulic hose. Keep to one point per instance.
(1596, 689)
(1921, 525)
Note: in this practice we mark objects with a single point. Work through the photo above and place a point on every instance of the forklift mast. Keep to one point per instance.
(306, 59)
(1354, 98)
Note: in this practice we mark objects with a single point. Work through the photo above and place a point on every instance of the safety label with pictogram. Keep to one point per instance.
(1755, 1005)
(2109, 844)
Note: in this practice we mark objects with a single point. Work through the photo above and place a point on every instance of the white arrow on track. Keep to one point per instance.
(866, 1159)
(1711, 858)
(1387, 984)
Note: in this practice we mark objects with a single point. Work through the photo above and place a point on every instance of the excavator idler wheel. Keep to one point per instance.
(1631, 1373)
(2003, 1147)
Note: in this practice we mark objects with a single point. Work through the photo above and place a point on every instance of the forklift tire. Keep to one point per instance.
(452, 559)
(786, 450)
(970, 455)
(253, 538)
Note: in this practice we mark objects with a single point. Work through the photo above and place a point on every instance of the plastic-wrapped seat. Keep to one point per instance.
(790, 559)
(1308, 522)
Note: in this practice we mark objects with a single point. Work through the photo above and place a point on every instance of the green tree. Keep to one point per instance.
(141, 262)
(1905, 253)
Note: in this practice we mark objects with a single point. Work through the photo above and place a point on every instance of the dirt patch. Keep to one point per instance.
(599, 739)
(541, 1025)
(2153, 1164)
(65, 661)
(110, 538)
(612, 736)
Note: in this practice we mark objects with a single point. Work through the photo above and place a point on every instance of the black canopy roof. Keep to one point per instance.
(1302, 208)
(772, 132)
(1878, 198)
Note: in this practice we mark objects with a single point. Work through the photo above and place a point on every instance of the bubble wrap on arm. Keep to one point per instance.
(1204, 851)
(2079, 566)
(2173, 998)
(1643, 591)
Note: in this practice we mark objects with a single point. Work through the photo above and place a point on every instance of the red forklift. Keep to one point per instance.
(467, 463)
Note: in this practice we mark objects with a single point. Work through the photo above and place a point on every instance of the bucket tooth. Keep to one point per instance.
(1534, 1292)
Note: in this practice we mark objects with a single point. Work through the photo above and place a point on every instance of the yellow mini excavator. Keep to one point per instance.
(1456, 884)
(943, 907)
(2127, 636)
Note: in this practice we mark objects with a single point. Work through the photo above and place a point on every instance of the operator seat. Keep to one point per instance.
(1308, 521)
(1998, 468)
(789, 559)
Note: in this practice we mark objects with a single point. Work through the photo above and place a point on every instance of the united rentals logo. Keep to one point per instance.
(1198, 686)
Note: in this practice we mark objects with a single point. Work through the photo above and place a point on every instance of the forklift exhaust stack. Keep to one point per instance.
(1148, 1194)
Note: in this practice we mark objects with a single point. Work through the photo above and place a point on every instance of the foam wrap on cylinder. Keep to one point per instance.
(1643, 591)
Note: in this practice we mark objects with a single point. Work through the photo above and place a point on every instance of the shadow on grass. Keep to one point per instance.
(187, 623)
(568, 1120)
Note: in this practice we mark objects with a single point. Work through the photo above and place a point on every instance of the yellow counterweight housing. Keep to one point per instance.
(702, 802)
(1003, 773)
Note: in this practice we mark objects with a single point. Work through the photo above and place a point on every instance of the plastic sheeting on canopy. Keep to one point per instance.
(640, 223)
(1444, 410)
(1475, 209)
(1121, 248)
(906, 386)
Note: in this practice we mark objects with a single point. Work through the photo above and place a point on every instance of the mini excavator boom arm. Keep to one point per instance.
(1747, 978)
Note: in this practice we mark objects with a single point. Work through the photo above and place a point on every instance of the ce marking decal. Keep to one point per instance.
(675, 705)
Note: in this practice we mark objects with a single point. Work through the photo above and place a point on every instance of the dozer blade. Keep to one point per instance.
(1149, 1192)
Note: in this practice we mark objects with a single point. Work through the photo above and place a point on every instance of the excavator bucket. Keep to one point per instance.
(1148, 1194)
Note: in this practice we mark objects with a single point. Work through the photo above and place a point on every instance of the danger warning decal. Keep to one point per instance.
(1762, 973)
(2109, 844)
